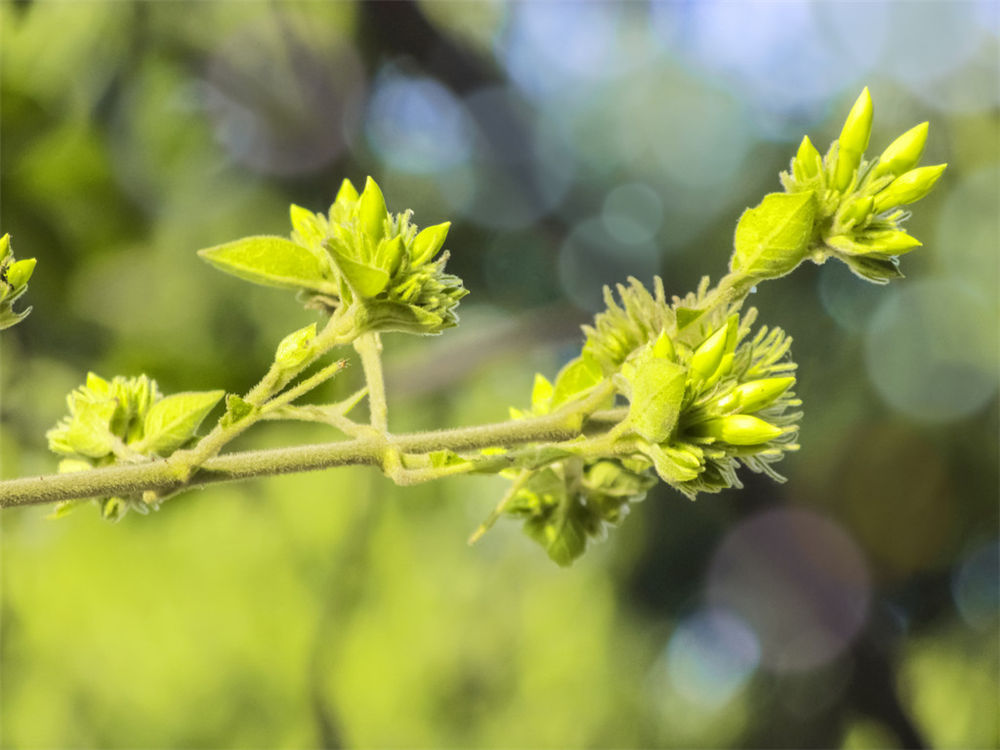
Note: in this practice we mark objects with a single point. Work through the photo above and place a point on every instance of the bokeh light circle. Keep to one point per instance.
(590, 258)
(632, 213)
(710, 656)
(284, 100)
(975, 586)
(798, 580)
(931, 350)
(416, 125)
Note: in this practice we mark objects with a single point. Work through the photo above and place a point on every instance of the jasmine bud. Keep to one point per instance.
(857, 211)
(903, 153)
(738, 429)
(372, 211)
(807, 163)
(853, 140)
(909, 187)
(754, 395)
(295, 348)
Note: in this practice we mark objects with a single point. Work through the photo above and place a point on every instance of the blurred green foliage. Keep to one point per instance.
(333, 609)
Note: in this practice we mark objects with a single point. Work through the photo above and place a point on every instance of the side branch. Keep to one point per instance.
(160, 476)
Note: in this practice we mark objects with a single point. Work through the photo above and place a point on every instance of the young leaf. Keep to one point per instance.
(236, 409)
(563, 533)
(173, 420)
(578, 376)
(657, 390)
(271, 261)
(773, 238)
(367, 281)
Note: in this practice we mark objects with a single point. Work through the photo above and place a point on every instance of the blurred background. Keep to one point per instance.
(572, 144)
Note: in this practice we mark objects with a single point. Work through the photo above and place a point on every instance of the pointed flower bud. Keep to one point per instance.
(19, 272)
(663, 348)
(889, 242)
(807, 163)
(708, 355)
(903, 153)
(738, 429)
(853, 140)
(909, 187)
(754, 395)
(372, 210)
(295, 348)
(857, 211)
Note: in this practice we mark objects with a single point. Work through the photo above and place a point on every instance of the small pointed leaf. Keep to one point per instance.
(271, 261)
(173, 420)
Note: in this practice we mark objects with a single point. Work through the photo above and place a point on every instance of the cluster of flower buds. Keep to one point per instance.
(14, 277)
(358, 255)
(124, 420)
(858, 211)
(568, 502)
(704, 397)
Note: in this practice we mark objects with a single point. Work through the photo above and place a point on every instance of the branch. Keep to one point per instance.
(160, 476)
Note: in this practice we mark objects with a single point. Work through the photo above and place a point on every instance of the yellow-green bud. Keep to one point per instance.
(909, 187)
(4, 246)
(808, 162)
(903, 153)
(754, 395)
(372, 211)
(664, 348)
(295, 348)
(857, 211)
(706, 358)
(889, 242)
(19, 272)
(853, 140)
(428, 242)
(738, 429)
(347, 193)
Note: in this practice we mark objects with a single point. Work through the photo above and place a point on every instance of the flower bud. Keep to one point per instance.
(347, 193)
(857, 211)
(429, 241)
(706, 358)
(738, 429)
(807, 163)
(754, 395)
(903, 153)
(888, 242)
(295, 348)
(853, 140)
(19, 272)
(664, 348)
(4, 246)
(372, 211)
(909, 187)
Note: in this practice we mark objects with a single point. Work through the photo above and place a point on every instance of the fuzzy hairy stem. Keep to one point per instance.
(160, 476)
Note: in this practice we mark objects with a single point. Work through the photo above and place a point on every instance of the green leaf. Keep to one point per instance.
(173, 420)
(271, 261)
(367, 281)
(541, 394)
(236, 409)
(442, 458)
(773, 238)
(687, 315)
(307, 224)
(657, 391)
(563, 533)
(674, 465)
(578, 376)
(89, 433)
